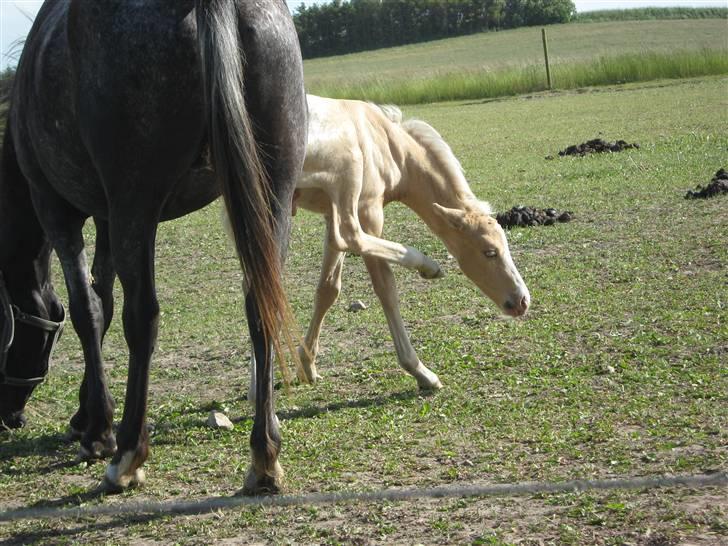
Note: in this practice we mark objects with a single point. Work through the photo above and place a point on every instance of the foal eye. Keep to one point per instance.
(491, 253)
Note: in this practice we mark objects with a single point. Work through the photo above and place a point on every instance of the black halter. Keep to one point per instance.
(13, 314)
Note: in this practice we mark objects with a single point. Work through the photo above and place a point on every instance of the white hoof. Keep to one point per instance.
(431, 269)
(120, 476)
(426, 379)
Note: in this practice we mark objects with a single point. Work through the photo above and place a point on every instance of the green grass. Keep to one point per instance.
(625, 68)
(619, 369)
(513, 49)
(641, 14)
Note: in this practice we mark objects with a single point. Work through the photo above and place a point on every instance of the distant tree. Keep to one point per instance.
(342, 27)
(7, 77)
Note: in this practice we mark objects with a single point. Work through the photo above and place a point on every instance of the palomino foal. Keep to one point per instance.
(361, 156)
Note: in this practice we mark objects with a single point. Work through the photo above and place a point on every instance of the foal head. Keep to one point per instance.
(479, 245)
(31, 320)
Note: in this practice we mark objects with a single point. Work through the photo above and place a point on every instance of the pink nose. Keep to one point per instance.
(518, 306)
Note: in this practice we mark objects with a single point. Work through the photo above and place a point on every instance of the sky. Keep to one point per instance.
(16, 16)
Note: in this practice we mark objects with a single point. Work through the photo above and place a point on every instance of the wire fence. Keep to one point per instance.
(214, 504)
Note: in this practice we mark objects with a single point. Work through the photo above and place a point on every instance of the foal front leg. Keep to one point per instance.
(349, 235)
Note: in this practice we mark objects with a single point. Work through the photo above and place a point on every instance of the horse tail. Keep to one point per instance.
(244, 183)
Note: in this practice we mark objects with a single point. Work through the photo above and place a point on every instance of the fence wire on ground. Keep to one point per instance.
(214, 504)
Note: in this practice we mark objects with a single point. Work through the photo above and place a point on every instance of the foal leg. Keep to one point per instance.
(327, 291)
(347, 232)
(386, 289)
(92, 423)
(132, 246)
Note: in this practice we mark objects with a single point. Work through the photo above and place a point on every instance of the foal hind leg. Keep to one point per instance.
(92, 423)
(327, 291)
(386, 290)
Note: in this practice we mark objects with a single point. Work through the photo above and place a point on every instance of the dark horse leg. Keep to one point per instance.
(102, 282)
(280, 129)
(64, 224)
(132, 240)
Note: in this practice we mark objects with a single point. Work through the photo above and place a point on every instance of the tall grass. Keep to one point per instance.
(642, 14)
(469, 85)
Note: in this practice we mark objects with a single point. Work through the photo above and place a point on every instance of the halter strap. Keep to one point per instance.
(12, 314)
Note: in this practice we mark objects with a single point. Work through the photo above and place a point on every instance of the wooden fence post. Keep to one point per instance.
(546, 57)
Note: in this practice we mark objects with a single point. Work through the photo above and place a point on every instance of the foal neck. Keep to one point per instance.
(431, 180)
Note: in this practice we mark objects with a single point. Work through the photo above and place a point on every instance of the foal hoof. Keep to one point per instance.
(306, 377)
(262, 485)
(435, 272)
(426, 379)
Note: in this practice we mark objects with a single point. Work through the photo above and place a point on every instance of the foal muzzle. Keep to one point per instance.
(12, 314)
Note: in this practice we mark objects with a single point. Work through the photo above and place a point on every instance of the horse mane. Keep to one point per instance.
(430, 139)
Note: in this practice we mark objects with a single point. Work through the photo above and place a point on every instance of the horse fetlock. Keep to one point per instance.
(97, 447)
(262, 481)
(124, 473)
(307, 372)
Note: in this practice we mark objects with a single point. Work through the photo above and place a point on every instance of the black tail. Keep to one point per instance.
(245, 185)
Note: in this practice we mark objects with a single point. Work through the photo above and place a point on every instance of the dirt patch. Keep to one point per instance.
(596, 146)
(718, 185)
(521, 216)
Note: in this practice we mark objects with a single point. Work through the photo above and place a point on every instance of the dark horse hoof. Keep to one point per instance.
(12, 421)
(97, 449)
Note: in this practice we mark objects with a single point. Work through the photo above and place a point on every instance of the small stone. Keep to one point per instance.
(218, 419)
(357, 306)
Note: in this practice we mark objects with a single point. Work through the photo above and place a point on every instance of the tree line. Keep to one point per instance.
(358, 25)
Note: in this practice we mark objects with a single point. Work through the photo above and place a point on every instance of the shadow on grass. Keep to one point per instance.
(195, 418)
(55, 535)
(381, 400)
(36, 445)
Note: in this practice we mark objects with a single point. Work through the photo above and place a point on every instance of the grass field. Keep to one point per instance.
(496, 51)
(619, 370)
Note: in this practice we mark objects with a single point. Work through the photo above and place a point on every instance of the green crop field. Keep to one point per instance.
(378, 74)
(493, 50)
(618, 370)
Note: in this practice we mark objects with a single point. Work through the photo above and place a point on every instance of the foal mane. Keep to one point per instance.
(440, 152)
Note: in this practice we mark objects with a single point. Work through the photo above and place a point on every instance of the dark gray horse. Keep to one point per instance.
(115, 109)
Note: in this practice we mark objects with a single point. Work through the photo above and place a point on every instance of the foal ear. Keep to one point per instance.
(454, 217)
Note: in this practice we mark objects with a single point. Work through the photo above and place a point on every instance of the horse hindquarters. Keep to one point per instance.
(142, 125)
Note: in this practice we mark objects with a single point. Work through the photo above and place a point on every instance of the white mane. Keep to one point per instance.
(392, 113)
(428, 137)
